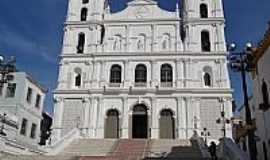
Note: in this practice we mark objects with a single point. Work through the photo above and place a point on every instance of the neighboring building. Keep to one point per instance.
(21, 101)
(261, 88)
(143, 72)
(45, 128)
(241, 127)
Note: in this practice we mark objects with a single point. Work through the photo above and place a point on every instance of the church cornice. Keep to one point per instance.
(104, 22)
(139, 91)
(145, 54)
(215, 20)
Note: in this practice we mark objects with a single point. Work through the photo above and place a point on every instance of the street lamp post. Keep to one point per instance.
(6, 67)
(223, 120)
(243, 62)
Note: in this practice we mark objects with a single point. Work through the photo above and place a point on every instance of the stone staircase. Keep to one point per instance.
(123, 149)
(165, 149)
(90, 147)
(126, 149)
(38, 157)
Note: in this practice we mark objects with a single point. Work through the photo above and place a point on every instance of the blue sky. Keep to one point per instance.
(32, 31)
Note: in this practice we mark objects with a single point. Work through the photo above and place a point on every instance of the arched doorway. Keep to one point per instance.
(139, 122)
(166, 124)
(112, 124)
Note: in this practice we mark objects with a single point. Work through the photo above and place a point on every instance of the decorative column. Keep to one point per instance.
(181, 123)
(95, 74)
(86, 106)
(223, 73)
(154, 72)
(67, 41)
(62, 78)
(155, 119)
(179, 73)
(57, 120)
(127, 81)
(89, 74)
(178, 41)
(222, 41)
(100, 118)
(94, 115)
(91, 119)
(186, 72)
(102, 74)
(228, 114)
(154, 46)
(127, 48)
(125, 117)
(197, 115)
(190, 116)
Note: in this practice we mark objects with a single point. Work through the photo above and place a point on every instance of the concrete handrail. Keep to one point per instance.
(62, 143)
(228, 150)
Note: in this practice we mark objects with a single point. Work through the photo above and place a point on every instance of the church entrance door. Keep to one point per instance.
(139, 122)
(112, 124)
(166, 124)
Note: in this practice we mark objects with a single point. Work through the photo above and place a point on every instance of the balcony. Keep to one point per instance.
(166, 84)
(140, 84)
(115, 85)
(264, 107)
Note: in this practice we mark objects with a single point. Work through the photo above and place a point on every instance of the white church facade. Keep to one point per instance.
(144, 71)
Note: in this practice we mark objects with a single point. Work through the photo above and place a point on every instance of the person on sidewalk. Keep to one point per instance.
(213, 149)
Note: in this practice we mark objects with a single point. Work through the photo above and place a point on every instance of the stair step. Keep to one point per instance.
(123, 149)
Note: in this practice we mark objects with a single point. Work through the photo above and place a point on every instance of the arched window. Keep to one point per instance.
(140, 74)
(207, 79)
(115, 76)
(205, 41)
(81, 42)
(166, 73)
(203, 11)
(265, 93)
(84, 14)
(78, 77)
(207, 76)
(85, 1)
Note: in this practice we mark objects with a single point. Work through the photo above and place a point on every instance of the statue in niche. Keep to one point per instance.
(117, 43)
(164, 44)
(140, 44)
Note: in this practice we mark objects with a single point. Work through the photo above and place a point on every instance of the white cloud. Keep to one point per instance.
(25, 45)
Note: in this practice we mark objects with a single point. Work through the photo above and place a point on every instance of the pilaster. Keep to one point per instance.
(154, 119)
(86, 120)
(57, 120)
(154, 76)
(127, 80)
(125, 117)
(89, 66)
(180, 73)
(102, 74)
(95, 75)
